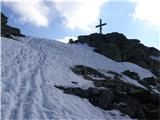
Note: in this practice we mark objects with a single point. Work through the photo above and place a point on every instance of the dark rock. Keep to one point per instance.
(120, 97)
(71, 41)
(74, 91)
(141, 113)
(105, 99)
(8, 31)
(127, 103)
(74, 82)
(158, 80)
(144, 96)
(95, 92)
(152, 111)
(145, 83)
(3, 20)
(87, 72)
(127, 110)
(132, 75)
(153, 51)
(150, 82)
(113, 51)
(115, 74)
(154, 114)
(117, 47)
(102, 98)
(113, 93)
(135, 41)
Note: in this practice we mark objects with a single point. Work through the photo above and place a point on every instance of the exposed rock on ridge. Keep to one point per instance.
(8, 31)
(113, 93)
(117, 47)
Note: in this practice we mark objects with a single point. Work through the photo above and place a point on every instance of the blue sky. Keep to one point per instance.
(62, 19)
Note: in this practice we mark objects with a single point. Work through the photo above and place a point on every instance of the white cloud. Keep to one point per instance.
(66, 39)
(77, 14)
(80, 14)
(148, 10)
(35, 12)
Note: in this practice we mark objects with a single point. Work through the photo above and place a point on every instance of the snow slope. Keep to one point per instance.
(32, 67)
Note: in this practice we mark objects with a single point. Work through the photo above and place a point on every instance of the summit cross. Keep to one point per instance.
(100, 26)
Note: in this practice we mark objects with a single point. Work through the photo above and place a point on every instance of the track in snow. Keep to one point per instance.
(28, 81)
(31, 68)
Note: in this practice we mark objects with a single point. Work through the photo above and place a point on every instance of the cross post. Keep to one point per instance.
(100, 26)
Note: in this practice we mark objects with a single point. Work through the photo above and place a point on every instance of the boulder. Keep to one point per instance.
(105, 99)
(102, 98)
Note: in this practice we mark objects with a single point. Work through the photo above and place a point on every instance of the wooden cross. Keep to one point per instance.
(100, 26)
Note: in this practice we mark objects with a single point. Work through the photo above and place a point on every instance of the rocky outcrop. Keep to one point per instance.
(117, 47)
(8, 31)
(132, 75)
(113, 93)
(102, 98)
(87, 72)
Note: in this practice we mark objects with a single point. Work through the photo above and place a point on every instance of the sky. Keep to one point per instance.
(65, 19)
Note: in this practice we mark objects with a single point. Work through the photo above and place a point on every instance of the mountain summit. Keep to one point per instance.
(45, 79)
(117, 47)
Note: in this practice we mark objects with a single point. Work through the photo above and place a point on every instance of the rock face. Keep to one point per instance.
(8, 31)
(117, 47)
(132, 75)
(113, 93)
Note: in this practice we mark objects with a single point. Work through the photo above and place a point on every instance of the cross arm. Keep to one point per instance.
(101, 25)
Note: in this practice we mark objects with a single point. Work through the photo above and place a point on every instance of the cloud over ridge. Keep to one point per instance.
(35, 12)
(78, 14)
(148, 10)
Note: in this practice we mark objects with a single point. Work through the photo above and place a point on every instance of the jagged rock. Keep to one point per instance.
(154, 51)
(87, 72)
(113, 93)
(150, 81)
(132, 75)
(152, 112)
(3, 20)
(98, 97)
(144, 83)
(158, 80)
(8, 31)
(127, 110)
(105, 99)
(113, 51)
(141, 113)
(135, 41)
(94, 91)
(101, 97)
(117, 47)
(74, 91)
(115, 74)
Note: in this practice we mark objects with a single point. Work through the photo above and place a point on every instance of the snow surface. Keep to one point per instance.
(31, 68)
